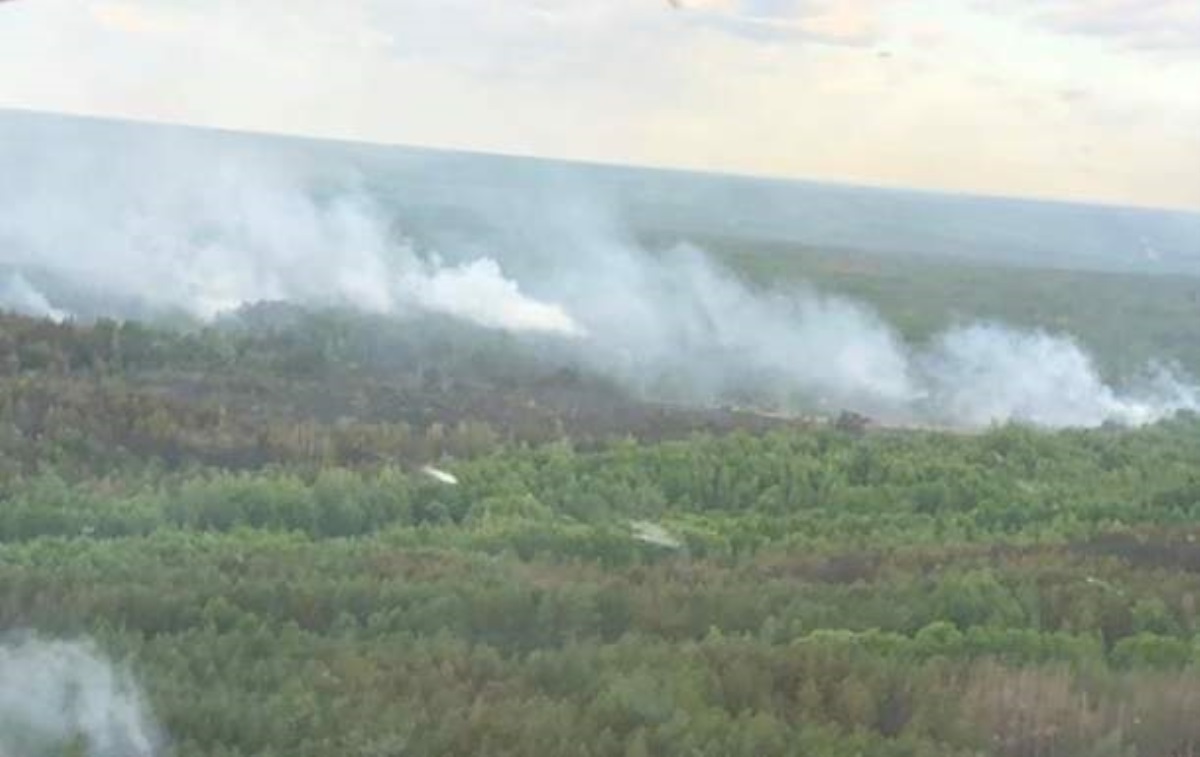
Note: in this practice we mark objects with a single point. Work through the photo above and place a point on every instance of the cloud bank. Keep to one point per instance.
(959, 95)
(830, 22)
(1163, 25)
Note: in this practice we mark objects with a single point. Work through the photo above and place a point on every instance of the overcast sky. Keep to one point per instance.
(1081, 99)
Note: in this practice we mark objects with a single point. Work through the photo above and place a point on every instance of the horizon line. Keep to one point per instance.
(776, 178)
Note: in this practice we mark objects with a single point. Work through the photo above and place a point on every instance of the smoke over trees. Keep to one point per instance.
(61, 698)
(315, 480)
(199, 225)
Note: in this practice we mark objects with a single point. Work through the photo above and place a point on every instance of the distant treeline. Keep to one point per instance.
(278, 385)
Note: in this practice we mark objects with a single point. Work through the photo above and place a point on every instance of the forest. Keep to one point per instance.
(243, 517)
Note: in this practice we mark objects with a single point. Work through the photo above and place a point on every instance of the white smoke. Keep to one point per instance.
(673, 324)
(206, 227)
(208, 223)
(20, 296)
(59, 696)
(700, 330)
(986, 374)
(477, 291)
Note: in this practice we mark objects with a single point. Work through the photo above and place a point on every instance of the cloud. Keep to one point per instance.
(1164, 25)
(833, 22)
(928, 35)
(133, 19)
(1073, 94)
(794, 87)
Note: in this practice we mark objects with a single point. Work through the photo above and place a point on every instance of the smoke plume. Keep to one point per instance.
(59, 698)
(189, 223)
(207, 223)
(674, 324)
(20, 296)
(986, 373)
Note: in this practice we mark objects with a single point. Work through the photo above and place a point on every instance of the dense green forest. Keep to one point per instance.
(240, 515)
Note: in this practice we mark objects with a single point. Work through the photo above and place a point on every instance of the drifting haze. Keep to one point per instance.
(58, 696)
(197, 224)
(673, 323)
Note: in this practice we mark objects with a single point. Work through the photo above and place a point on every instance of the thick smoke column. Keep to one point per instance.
(56, 696)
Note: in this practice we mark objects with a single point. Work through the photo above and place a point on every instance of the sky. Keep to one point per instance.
(1075, 99)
